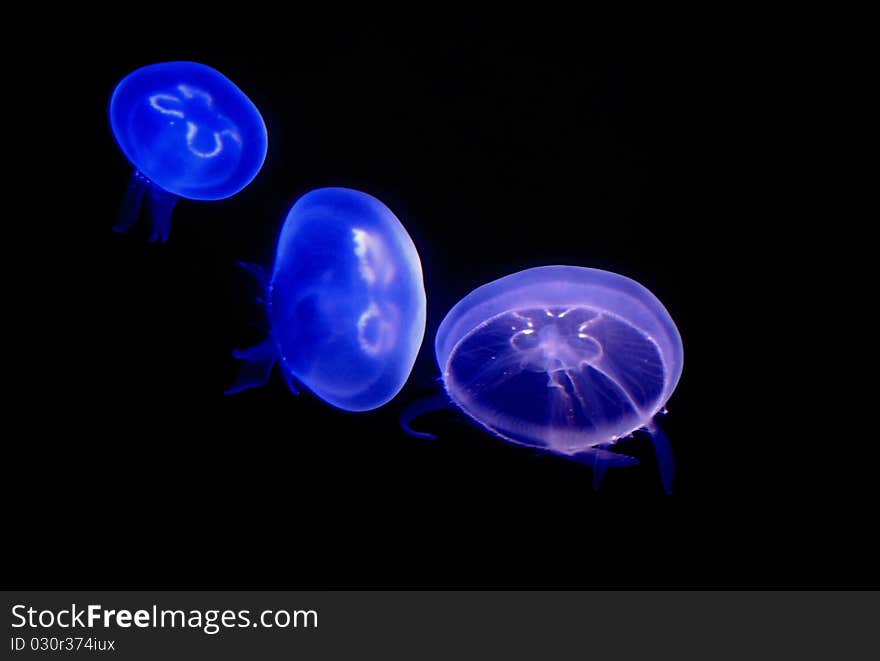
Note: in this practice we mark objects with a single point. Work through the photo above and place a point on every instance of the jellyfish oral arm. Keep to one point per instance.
(132, 203)
(419, 408)
(256, 365)
(259, 274)
(663, 450)
(600, 458)
(257, 361)
(159, 205)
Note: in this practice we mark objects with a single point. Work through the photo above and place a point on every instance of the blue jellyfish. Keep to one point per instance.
(189, 132)
(346, 302)
(562, 358)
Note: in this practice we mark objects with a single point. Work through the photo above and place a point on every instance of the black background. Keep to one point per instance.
(499, 150)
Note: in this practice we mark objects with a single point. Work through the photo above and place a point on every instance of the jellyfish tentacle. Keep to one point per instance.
(419, 408)
(160, 204)
(132, 202)
(256, 365)
(665, 458)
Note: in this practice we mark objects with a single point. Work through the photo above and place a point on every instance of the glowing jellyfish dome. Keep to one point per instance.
(189, 132)
(346, 302)
(563, 358)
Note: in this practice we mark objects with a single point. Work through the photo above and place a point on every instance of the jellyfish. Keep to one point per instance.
(565, 359)
(345, 301)
(188, 131)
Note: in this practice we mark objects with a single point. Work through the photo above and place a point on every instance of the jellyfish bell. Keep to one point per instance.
(345, 300)
(565, 359)
(188, 131)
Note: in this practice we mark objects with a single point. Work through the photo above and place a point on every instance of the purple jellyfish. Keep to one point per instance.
(565, 359)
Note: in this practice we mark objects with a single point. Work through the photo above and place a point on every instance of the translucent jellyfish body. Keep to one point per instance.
(346, 302)
(189, 132)
(563, 358)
